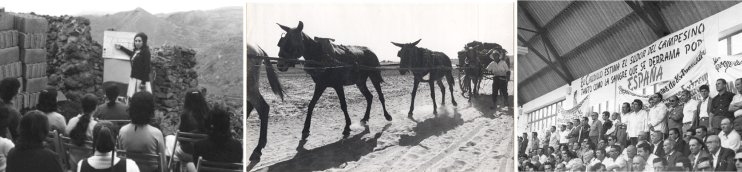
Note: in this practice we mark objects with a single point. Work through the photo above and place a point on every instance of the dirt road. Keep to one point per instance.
(467, 137)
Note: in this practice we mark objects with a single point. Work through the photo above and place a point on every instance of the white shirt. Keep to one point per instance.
(543, 158)
(658, 114)
(649, 166)
(608, 161)
(636, 123)
(613, 127)
(689, 110)
(554, 140)
(103, 160)
(5, 146)
(703, 110)
(623, 161)
(715, 157)
(730, 141)
(499, 69)
(563, 137)
(736, 99)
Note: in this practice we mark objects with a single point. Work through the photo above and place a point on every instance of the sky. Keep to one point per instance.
(99, 7)
(442, 26)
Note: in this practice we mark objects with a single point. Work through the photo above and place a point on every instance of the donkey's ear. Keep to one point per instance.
(300, 27)
(287, 29)
(397, 44)
(415, 43)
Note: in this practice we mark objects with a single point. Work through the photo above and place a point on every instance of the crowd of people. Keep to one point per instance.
(677, 133)
(24, 143)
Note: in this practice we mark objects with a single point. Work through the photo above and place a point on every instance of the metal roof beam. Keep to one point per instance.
(655, 12)
(549, 63)
(534, 76)
(566, 75)
(655, 22)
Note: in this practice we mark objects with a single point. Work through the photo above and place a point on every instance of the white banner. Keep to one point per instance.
(693, 56)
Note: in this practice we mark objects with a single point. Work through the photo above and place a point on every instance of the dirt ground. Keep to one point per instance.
(467, 137)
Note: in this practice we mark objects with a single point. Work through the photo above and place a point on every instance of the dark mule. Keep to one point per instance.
(254, 98)
(426, 62)
(332, 66)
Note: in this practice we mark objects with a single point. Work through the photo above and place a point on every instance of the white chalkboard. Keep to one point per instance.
(116, 65)
(111, 38)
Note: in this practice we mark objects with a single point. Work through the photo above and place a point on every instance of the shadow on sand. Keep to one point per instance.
(444, 121)
(331, 155)
(483, 104)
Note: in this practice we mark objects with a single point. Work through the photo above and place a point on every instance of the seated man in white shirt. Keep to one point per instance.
(729, 138)
(622, 162)
(613, 155)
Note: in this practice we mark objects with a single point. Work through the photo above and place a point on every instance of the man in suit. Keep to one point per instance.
(574, 133)
(697, 151)
(671, 154)
(657, 142)
(702, 133)
(596, 128)
(680, 144)
(723, 158)
(607, 124)
(584, 129)
(523, 144)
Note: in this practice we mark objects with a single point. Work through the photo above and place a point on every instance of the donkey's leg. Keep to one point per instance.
(477, 80)
(376, 80)
(248, 108)
(369, 99)
(412, 102)
(341, 95)
(263, 109)
(449, 78)
(318, 90)
(432, 96)
(443, 91)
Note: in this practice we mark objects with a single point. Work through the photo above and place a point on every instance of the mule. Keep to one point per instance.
(333, 66)
(423, 62)
(254, 99)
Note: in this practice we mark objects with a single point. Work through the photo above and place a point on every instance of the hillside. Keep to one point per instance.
(216, 34)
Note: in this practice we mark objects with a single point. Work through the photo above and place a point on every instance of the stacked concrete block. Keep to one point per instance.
(22, 48)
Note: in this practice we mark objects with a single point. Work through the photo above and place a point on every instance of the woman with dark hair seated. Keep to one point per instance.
(219, 146)
(9, 115)
(104, 158)
(113, 109)
(194, 120)
(138, 136)
(48, 105)
(30, 154)
(80, 128)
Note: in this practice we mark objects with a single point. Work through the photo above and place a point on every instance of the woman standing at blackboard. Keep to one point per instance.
(140, 65)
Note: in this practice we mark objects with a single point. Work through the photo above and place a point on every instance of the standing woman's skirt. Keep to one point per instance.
(134, 87)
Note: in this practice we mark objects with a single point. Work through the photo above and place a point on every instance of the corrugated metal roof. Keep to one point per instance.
(619, 30)
(548, 81)
(680, 14)
(585, 20)
(531, 62)
(544, 11)
(628, 36)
